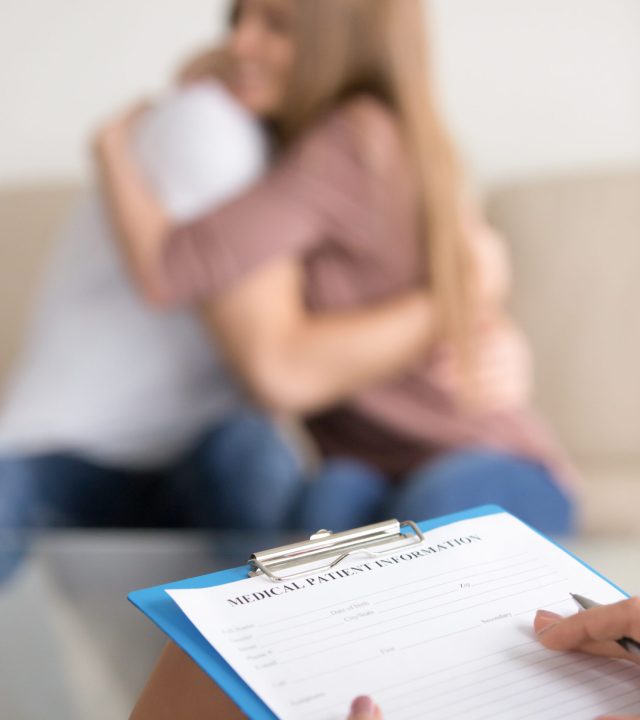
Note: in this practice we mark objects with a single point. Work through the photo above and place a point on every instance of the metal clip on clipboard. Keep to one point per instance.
(324, 544)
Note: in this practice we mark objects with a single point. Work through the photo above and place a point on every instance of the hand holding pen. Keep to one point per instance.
(625, 642)
(609, 630)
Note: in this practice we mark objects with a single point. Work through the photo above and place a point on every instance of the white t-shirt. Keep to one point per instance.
(102, 374)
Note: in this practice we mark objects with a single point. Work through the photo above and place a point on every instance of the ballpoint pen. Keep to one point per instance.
(629, 644)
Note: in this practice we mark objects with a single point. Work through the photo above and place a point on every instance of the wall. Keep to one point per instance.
(530, 86)
(65, 65)
(538, 86)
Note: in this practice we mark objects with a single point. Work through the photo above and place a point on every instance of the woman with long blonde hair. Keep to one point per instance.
(355, 286)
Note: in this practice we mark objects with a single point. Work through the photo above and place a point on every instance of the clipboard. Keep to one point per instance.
(158, 606)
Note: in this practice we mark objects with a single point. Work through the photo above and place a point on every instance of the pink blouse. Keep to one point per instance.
(354, 229)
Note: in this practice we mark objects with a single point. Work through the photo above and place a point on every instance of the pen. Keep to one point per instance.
(629, 644)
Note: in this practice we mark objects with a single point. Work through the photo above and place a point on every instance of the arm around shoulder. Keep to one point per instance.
(298, 362)
(141, 222)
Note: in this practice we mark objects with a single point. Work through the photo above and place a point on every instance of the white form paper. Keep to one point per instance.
(440, 630)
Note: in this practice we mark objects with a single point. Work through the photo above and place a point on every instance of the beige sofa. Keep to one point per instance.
(576, 249)
(575, 244)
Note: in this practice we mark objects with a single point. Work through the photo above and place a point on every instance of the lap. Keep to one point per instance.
(465, 479)
(244, 474)
(64, 490)
(343, 494)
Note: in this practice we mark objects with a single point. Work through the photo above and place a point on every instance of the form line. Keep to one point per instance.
(413, 582)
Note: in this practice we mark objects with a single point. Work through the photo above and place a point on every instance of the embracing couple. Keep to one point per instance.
(287, 235)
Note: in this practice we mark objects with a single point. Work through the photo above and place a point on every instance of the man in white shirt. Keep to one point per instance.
(101, 423)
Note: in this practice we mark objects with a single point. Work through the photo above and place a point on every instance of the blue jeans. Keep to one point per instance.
(347, 492)
(60, 490)
(65, 490)
(241, 475)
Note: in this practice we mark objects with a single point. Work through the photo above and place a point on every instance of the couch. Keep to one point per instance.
(575, 243)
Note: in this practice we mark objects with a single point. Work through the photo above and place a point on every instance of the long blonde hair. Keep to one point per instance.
(379, 47)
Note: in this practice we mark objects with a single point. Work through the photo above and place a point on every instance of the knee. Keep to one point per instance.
(248, 474)
(476, 474)
(348, 474)
(241, 430)
(250, 439)
(345, 493)
(15, 513)
(466, 479)
(17, 480)
(456, 482)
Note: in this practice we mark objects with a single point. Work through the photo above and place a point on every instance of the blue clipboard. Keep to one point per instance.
(158, 606)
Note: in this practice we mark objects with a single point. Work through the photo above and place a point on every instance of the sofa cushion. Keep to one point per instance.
(610, 499)
(575, 244)
(29, 219)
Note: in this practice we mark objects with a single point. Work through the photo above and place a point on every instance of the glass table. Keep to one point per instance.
(73, 647)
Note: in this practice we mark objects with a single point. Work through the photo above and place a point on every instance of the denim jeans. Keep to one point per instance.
(61, 490)
(242, 474)
(347, 492)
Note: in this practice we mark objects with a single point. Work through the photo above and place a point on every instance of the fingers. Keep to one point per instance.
(363, 708)
(594, 630)
(116, 129)
(491, 265)
(607, 622)
(207, 64)
(132, 114)
(545, 620)
(507, 373)
(501, 375)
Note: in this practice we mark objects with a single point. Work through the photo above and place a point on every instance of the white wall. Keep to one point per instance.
(65, 65)
(537, 86)
(530, 86)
